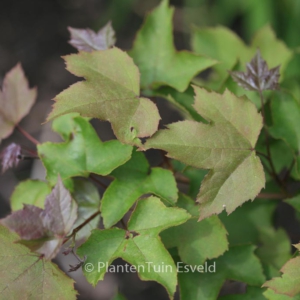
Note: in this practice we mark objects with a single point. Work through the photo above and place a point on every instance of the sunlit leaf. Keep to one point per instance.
(110, 92)
(225, 145)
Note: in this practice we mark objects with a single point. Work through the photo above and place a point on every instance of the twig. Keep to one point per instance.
(95, 179)
(75, 230)
(27, 135)
(270, 196)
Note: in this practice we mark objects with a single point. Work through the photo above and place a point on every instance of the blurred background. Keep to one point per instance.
(34, 32)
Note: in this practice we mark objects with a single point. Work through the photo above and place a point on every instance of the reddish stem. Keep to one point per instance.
(27, 135)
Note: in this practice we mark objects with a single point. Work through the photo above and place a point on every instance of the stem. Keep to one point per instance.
(75, 230)
(27, 135)
(95, 179)
(270, 196)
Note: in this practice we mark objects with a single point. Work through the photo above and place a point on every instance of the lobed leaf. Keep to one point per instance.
(16, 99)
(110, 92)
(140, 245)
(89, 40)
(24, 275)
(133, 180)
(155, 55)
(85, 153)
(43, 230)
(225, 146)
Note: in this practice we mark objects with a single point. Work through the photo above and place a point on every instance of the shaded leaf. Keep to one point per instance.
(258, 76)
(239, 264)
(16, 99)
(45, 229)
(24, 275)
(108, 93)
(87, 198)
(252, 293)
(31, 192)
(132, 180)
(83, 154)
(89, 40)
(225, 145)
(196, 241)
(140, 246)
(10, 156)
(154, 53)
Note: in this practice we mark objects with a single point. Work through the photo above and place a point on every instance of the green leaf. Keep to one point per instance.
(225, 145)
(155, 54)
(85, 153)
(119, 297)
(132, 180)
(24, 275)
(140, 245)
(110, 92)
(289, 283)
(32, 192)
(252, 293)
(196, 241)
(88, 201)
(16, 100)
(239, 264)
(225, 46)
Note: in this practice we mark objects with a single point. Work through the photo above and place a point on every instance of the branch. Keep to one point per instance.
(27, 135)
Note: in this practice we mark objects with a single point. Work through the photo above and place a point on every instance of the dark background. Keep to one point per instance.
(34, 32)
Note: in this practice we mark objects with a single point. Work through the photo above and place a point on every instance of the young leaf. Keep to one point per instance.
(258, 76)
(225, 145)
(196, 241)
(208, 41)
(271, 295)
(110, 92)
(16, 99)
(154, 53)
(239, 264)
(139, 246)
(31, 192)
(89, 40)
(24, 275)
(132, 180)
(43, 231)
(10, 156)
(289, 283)
(85, 153)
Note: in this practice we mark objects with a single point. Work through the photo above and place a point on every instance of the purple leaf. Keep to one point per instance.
(27, 223)
(41, 230)
(10, 156)
(258, 76)
(88, 40)
(60, 211)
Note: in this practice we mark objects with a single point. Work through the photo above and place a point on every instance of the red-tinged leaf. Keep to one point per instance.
(16, 99)
(60, 211)
(89, 40)
(10, 156)
(41, 230)
(258, 76)
(27, 223)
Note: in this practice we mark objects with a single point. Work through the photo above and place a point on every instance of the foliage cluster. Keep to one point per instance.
(238, 141)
